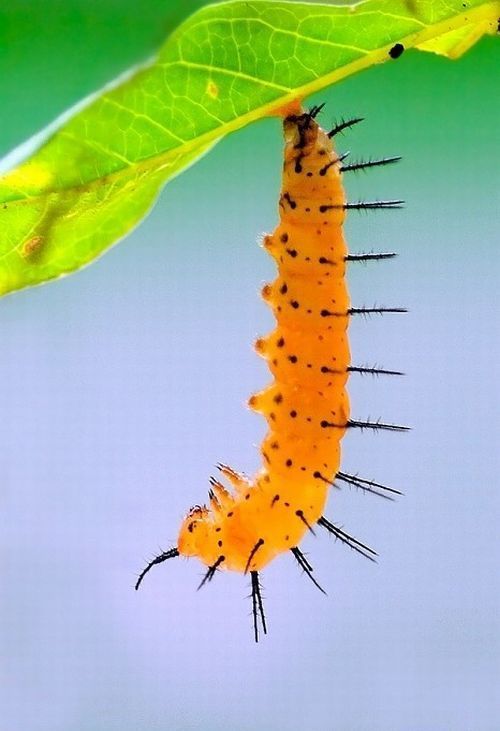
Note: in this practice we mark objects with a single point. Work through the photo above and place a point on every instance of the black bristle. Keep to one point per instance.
(375, 310)
(370, 257)
(363, 370)
(375, 426)
(348, 540)
(314, 111)
(254, 550)
(372, 205)
(363, 164)
(257, 606)
(341, 126)
(211, 571)
(367, 485)
(172, 553)
(306, 566)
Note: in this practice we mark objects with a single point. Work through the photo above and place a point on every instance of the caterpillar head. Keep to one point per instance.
(301, 132)
(308, 150)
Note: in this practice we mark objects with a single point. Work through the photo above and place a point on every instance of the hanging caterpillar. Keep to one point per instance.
(306, 406)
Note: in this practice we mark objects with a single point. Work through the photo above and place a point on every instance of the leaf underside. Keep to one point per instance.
(229, 64)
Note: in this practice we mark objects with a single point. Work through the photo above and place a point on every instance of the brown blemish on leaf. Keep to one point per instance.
(32, 246)
(212, 89)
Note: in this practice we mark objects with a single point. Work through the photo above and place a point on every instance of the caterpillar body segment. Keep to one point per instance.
(306, 405)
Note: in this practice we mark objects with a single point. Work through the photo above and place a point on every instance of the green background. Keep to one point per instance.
(123, 384)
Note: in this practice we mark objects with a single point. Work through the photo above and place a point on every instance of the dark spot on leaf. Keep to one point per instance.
(397, 50)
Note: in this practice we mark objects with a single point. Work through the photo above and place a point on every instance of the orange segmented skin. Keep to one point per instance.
(306, 405)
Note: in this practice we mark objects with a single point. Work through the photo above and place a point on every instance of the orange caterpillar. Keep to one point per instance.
(306, 406)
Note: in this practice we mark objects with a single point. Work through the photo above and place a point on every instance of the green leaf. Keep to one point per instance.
(97, 175)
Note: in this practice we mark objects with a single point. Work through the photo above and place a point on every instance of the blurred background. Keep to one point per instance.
(122, 385)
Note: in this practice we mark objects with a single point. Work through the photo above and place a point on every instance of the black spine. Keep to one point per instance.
(373, 371)
(172, 553)
(376, 426)
(370, 257)
(367, 485)
(306, 566)
(257, 606)
(341, 126)
(348, 540)
(363, 164)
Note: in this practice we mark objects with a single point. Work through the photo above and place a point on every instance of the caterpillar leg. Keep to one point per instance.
(172, 553)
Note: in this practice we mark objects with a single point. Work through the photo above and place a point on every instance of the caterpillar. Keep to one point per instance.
(306, 406)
